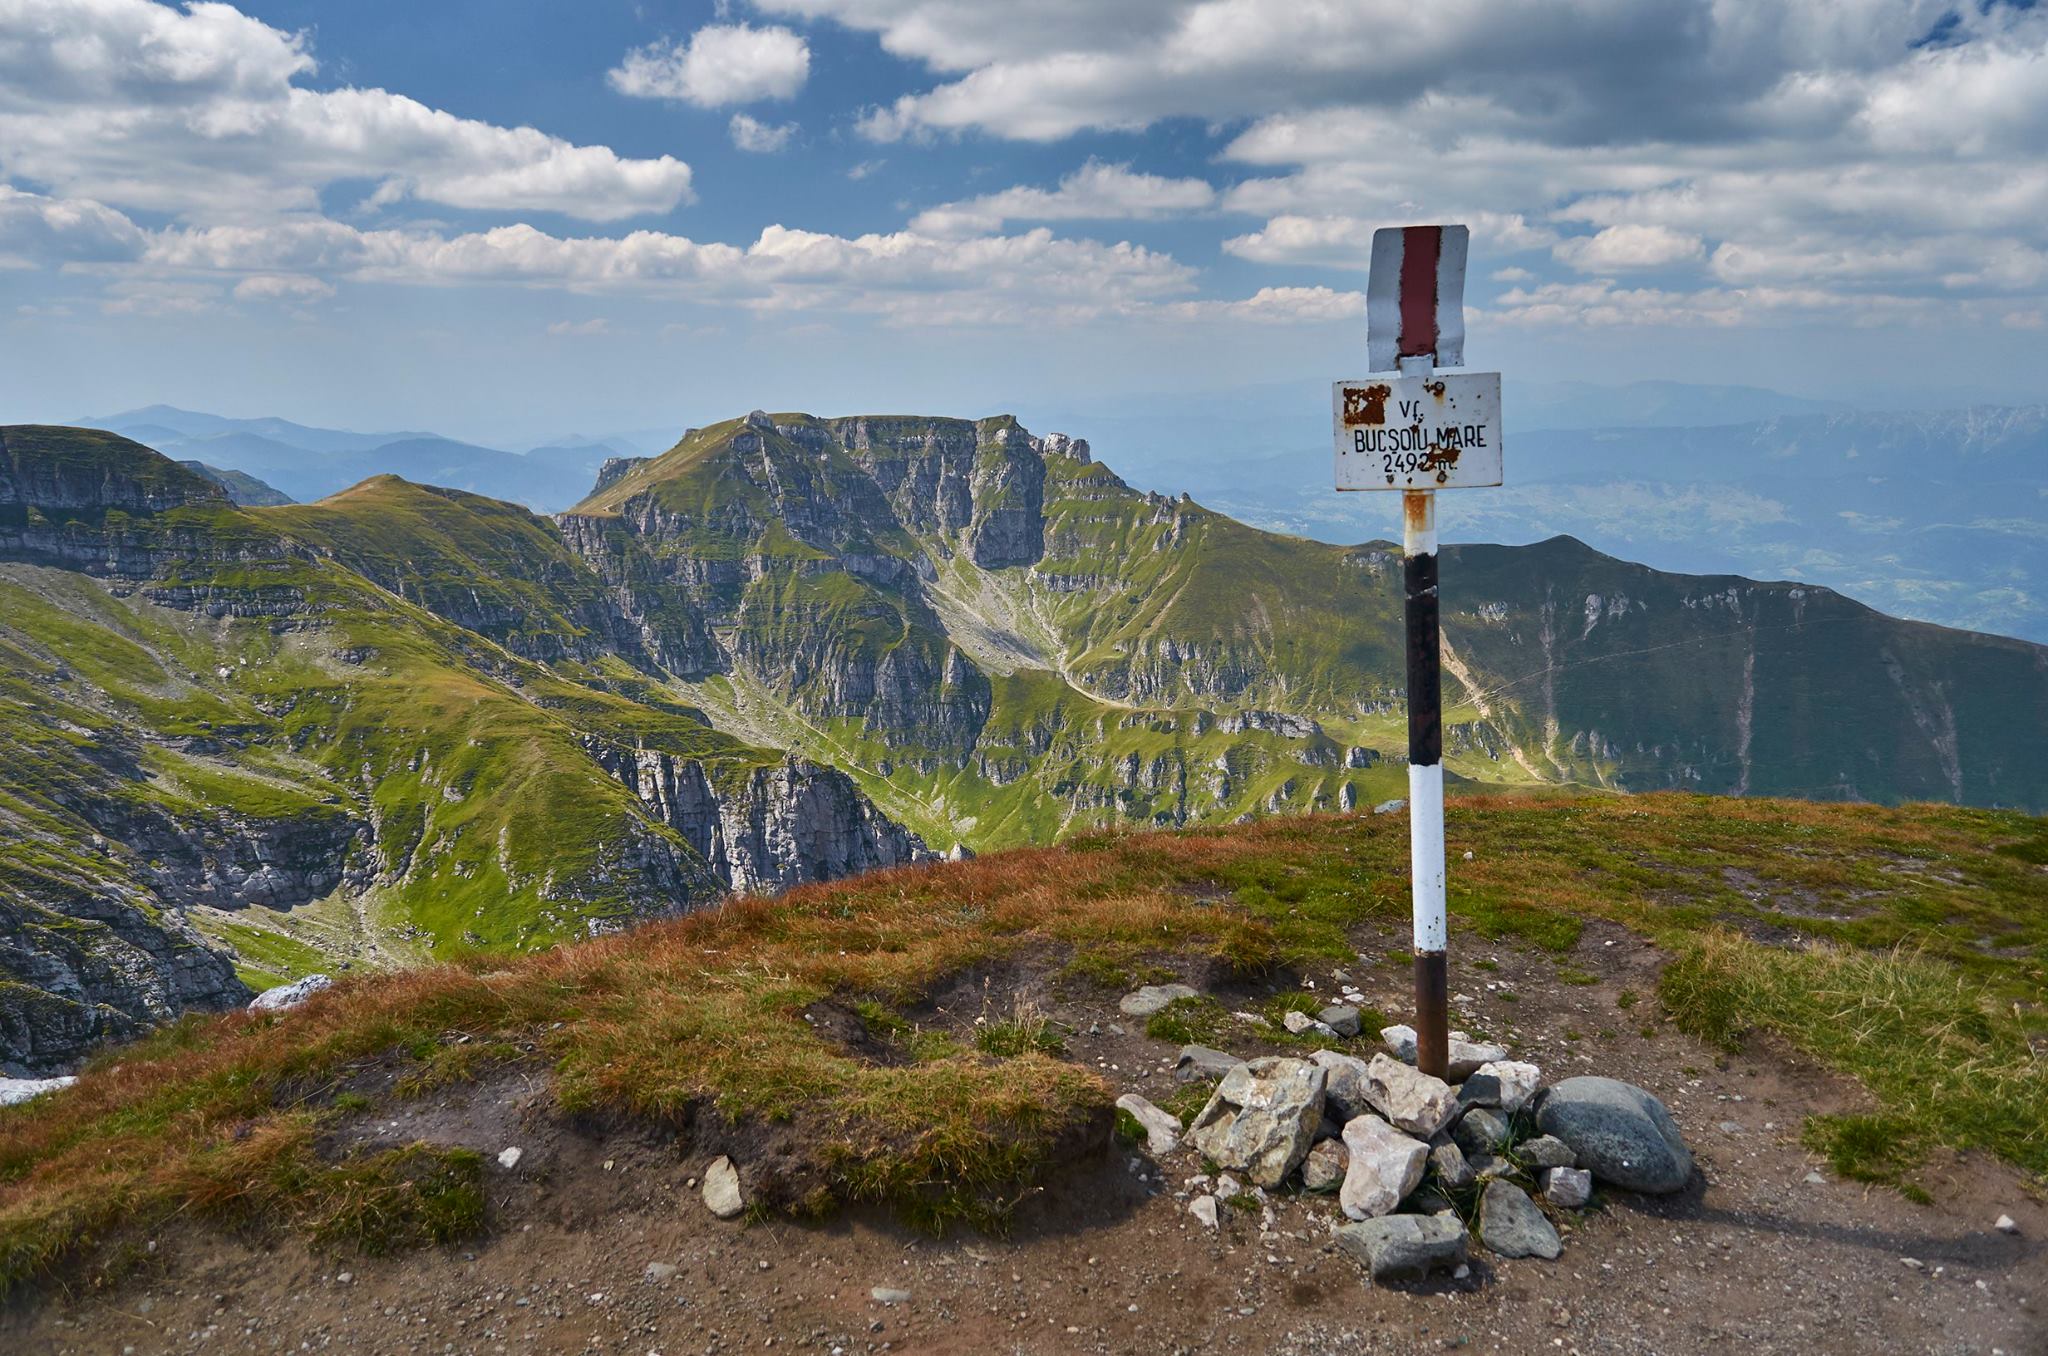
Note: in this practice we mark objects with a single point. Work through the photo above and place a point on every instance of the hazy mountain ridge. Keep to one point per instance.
(1938, 515)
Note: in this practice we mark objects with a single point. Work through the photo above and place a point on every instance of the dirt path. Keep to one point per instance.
(1755, 1258)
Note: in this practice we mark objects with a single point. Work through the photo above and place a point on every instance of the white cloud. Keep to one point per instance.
(194, 112)
(157, 298)
(720, 65)
(1096, 191)
(903, 275)
(1633, 246)
(1278, 306)
(1809, 142)
(1043, 69)
(580, 328)
(282, 287)
(750, 134)
(37, 230)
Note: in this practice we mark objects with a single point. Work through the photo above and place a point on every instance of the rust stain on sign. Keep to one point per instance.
(1366, 404)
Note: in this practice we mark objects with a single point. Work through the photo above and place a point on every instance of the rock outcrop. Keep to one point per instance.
(772, 828)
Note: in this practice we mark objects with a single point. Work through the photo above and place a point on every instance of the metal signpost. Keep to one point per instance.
(1418, 431)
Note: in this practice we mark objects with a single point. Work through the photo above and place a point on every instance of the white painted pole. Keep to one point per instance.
(1426, 783)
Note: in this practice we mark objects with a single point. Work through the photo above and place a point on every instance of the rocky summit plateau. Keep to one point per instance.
(248, 742)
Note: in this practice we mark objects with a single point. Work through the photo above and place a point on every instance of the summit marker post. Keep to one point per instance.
(1413, 429)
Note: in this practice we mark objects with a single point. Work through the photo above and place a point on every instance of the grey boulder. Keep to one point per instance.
(1154, 998)
(1325, 1165)
(1344, 1088)
(1405, 1247)
(1547, 1151)
(1620, 1133)
(1480, 1131)
(1451, 1168)
(1261, 1119)
(1197, 1062)
(1511, 1225)
(1341, 1018)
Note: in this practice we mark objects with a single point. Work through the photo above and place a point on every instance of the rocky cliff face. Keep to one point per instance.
(97, 969)
(784, 825)
(211, 719)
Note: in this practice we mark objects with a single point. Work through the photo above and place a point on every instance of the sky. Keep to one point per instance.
(515, 220)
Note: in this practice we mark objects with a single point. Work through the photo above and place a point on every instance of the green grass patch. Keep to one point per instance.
(1949, 1063)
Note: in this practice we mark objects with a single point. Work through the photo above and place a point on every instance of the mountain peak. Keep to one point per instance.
(53, 467)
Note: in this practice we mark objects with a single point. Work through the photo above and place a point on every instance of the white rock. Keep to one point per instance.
(1400, 1038)
(659, 1273)
(2007, 1225)
(1162, 1128)
(1297, 1022)
(1261, 1119)
(289, 995)
(1203, 1208)
(722, 1189)
(1518, 1082)
(509, 1157)
(1567, 1187)
(1410, 1099)
(886, 1294)
(1467, 1057)
(14, 1091)
(1384, 1166)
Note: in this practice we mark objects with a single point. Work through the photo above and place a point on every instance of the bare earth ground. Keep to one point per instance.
(1753, 1258)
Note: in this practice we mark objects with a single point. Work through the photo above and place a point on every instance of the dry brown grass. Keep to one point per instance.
(704, 1013)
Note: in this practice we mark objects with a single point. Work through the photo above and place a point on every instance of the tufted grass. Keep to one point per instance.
(223, 1116)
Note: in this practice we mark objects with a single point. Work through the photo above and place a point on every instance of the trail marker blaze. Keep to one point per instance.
(1416, 430)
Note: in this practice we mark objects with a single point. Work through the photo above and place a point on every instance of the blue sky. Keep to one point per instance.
(513, 220)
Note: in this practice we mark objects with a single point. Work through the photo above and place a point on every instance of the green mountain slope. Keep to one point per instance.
(239, 727)
(1004, 641)
(239, 743)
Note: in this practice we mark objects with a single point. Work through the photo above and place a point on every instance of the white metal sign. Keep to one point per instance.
(1435, 432)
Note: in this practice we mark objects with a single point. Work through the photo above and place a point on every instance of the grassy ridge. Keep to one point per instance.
(1896, 985)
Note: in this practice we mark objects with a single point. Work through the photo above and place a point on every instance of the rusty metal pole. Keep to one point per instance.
(1426, 780)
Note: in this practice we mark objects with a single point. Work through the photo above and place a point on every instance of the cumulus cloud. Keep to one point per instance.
(751, 134)
(195, 112)
(720, 65)
(1700, 142)
(36, 230)
(900, 275)
(282, 287)
(1632, 246)
(1096, 191)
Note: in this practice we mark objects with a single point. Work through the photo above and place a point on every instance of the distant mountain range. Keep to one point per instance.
(1936, 515)
(306, 463)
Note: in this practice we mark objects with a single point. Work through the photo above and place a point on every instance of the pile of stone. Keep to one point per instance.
(1403, 1151)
